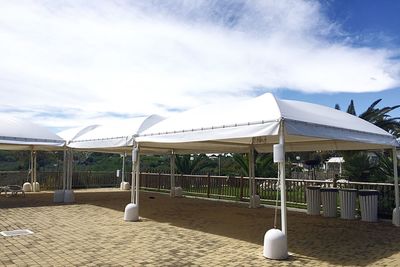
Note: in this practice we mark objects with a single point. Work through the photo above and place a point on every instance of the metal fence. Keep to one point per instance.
(238, 188)
(53, 180)
(231, 187)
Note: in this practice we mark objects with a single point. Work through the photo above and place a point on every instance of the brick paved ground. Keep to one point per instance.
(179, 232)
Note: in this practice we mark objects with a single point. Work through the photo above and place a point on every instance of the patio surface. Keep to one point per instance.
(179, 232)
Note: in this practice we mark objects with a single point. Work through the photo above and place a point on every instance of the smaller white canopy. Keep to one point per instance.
(114, 137)
(17, 134)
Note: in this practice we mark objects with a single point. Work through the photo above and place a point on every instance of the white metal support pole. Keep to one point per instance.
(69, 196)
(71, 169)
(251, 177)
(64, 177)
(131, 213)
(123, 167)
(68, 168)
(172, 167)
(31, 170)
(283, 182)
(137, 186)
(275, 241)
(133, 182)
(35, 189)
(396, 213)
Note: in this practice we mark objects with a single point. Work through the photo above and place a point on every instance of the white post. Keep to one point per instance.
(251, 178)
(275, 241)
(283, 182)
(71, 168)
(64, 169)
(69, 196)
(133, 183)
(31, 167)
(137, 175)
(396, 212)
(123, 167)
(131, 213)
(35, 171)
(172, 167)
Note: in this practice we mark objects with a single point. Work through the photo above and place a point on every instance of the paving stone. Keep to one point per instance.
(179, 232)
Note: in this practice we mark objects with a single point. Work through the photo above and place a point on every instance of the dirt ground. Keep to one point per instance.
(179, 232)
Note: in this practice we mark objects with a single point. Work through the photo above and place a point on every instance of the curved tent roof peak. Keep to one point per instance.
(115, 136)
(73, 133)
(19, 134)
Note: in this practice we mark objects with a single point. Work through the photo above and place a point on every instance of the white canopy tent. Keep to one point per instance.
(17, 134)
(260, 123)
(116, 137)
(232, 128)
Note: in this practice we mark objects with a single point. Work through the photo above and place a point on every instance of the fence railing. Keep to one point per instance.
(53, 180)
(205, 185)
(238, 188)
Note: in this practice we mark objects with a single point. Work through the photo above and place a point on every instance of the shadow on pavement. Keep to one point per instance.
(332, 240)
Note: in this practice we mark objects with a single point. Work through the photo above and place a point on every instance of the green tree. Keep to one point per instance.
(385, 167)
(358, 166)
(351, 109)
(378, 116)
(381, 118)
(264, 164)
(193, 164)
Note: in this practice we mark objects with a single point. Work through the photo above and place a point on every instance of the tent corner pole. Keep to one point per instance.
(396, 217)
(35, 188)
(137, 178)
(283, 182)
(251, 177)
(123, 168)
(172, 170)
(132, 209)
(31, 169)
(133, 173)
(64, 176)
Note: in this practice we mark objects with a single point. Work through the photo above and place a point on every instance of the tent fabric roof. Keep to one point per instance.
(113, 137)
(17, 134)
(234, 127)
(73, 133)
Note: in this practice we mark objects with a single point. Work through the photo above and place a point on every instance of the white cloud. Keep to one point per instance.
(84, 60)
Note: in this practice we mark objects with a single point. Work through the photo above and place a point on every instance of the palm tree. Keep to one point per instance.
(351, 109)
(193, 164)
(381, 118)
(378, 116)
(243, 161)
(264, 164)
(385, 166)
(358, 165)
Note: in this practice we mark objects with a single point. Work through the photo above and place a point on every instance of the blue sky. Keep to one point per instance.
(71, 63)
(377, 23)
